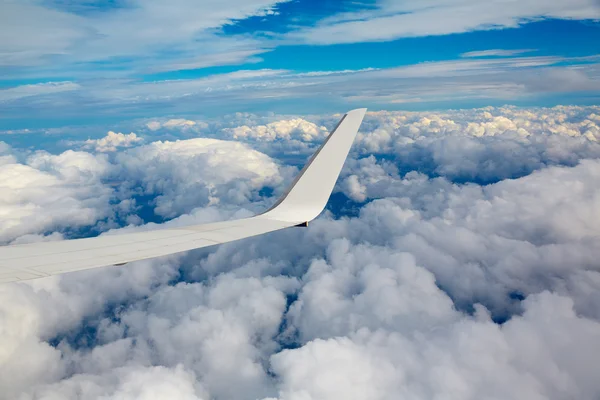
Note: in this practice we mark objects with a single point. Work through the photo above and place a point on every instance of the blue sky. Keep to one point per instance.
(68, 62)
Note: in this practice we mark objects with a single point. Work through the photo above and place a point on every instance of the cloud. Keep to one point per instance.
(396, 19)
(154, 125)
(299, 128)
(434, 286)
(467, 80)
(77, 190)
(112, 141)
(191, 173)
(49, 193)
(36, 31)
(173, 89)
(231, 57)
(508, 238)
(176, 123)
(495, 53)
(468, 358)
(389, 293)
(6, 156)
(39, 89)
(57, 38)
(483, 145)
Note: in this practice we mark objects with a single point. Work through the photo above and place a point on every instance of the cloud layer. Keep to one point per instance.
(458, 260)
(469, 80)
(396, 19)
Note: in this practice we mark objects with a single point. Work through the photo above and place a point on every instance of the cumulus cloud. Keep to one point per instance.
(179, 123)
(494, 242)
(77, 190)
(468, 358)
(467, 80)
(185, 174)
(112, 141)
(52, 192)
(285, 129)
(6, 156)
(484, 145)
(436, 286)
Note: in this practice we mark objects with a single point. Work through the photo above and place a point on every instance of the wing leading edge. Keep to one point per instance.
(302, 202)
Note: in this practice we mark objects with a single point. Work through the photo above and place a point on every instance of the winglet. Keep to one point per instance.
(307, 196)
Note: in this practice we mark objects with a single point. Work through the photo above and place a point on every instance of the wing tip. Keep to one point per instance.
(358, 111)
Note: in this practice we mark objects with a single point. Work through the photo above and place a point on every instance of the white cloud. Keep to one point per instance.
(178, 123)
(38, 89)
(56, 36)
(484, 144)
(341, 72)
(512, 236)
(231, 57)
(112, 141)
(390, 292)
(52, 192)
(395, 19)
(154, 125)
(30, 31)
(6, 156)
(175, 89)
(471, 80)
(284, 129)
(495, 53)
(469, 358)
(79, 190)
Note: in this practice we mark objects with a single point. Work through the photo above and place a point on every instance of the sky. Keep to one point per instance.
(456, 259)
(69, 62)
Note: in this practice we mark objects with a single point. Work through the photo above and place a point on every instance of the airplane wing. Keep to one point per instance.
(302, 202)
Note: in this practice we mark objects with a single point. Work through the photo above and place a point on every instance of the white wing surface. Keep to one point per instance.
(303, 201)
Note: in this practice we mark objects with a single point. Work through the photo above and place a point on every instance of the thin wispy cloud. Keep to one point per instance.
(39, 89)
(495, 53)
(505, 79)
(141, 34)
(397, 19)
